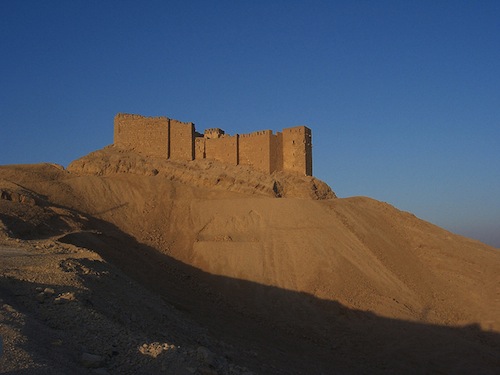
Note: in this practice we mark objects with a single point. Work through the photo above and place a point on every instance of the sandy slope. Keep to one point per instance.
(308, 284)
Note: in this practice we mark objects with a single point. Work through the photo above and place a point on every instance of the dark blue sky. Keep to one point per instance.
(403, 97)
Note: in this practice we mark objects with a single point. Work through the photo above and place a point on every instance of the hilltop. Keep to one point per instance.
(202, 267)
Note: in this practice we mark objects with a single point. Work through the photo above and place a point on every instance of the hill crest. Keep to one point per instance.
(210, 174)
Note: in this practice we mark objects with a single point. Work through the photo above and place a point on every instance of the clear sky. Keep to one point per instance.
(403, 97)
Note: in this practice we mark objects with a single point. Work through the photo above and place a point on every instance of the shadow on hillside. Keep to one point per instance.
(276, 331)
(43, 226)
(282, 331)
(20, 311)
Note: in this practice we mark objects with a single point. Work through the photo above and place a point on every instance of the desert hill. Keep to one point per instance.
(276, 268)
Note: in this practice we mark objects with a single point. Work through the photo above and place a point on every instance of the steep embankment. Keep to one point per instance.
(324, 271)
(359, 252)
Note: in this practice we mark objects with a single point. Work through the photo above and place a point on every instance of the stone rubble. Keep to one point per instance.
(92, 308)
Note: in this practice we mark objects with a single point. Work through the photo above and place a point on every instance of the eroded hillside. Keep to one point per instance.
(202, 173)
(304, 283)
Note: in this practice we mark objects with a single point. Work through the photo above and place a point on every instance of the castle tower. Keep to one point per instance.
(148, 135)
(155, 136)
(213, 133)
(297, 150)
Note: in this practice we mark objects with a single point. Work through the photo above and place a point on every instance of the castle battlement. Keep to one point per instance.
(213, 133)
(257, 133)
(289, 150)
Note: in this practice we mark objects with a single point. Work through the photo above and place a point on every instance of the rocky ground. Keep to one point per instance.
(64, 310)
(125, 265)
(114, 160)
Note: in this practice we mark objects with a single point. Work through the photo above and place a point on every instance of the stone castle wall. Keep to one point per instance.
(199, 148)
(181, 140)
(223, 149)
(277, 152)
(297, 150)
(289, 151)
(255, 150)
(148, 135)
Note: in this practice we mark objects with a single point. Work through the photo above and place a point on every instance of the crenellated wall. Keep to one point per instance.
(148, 135)
(223, 149)
(297, 150)
(255, 150)
(289, 150)
(181, 140)
(155, 136)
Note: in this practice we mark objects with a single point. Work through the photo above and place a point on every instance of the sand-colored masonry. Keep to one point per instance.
(289, 150)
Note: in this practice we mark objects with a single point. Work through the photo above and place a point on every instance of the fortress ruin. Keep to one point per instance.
(289, 150)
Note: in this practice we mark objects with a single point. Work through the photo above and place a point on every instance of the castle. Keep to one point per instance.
(288, 151)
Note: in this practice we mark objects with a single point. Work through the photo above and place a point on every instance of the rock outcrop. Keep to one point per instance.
(113, 160)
